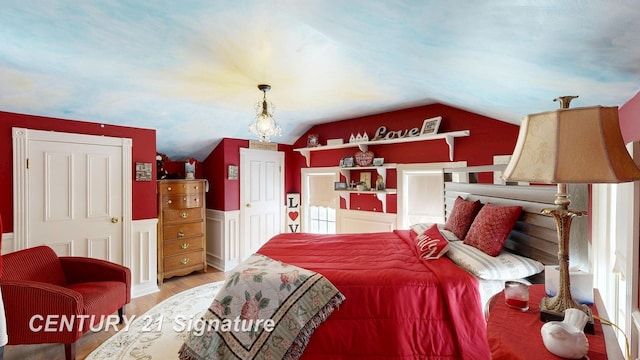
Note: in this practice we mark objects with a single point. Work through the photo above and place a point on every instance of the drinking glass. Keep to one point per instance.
(516, 295)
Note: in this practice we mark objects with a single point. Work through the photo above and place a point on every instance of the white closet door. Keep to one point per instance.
(261, 197)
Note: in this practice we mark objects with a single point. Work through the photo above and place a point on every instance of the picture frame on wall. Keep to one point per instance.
(143, 171)
(340, 185)
(347, 162)
(430, 126)
(232, 172)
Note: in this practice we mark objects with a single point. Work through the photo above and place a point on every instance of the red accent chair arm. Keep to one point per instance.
(25, 299)
(79, 269)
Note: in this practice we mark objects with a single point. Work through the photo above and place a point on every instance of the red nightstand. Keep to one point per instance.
(515, 334)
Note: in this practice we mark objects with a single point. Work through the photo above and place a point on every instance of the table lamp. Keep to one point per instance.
(569, 146)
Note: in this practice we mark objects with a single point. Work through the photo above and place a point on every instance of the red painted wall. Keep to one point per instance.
(629, 115)
(489, 137)
(144, 150)
(175, 169)
(224, 194)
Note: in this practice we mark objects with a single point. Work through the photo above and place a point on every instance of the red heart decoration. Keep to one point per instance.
(293, 215)
(363, 158)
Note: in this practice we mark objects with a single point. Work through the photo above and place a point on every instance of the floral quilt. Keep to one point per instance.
(266, 310)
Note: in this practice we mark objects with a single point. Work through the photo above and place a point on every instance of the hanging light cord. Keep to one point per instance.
(626, 340)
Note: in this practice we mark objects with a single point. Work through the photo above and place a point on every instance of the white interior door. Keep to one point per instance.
(261, 197)
(74, 188)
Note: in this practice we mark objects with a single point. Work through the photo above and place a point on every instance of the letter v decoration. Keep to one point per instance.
(293, 213)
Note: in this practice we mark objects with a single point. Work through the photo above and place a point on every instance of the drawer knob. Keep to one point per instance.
(168, 188)
(169, 201)
(184, 246)
(196, 199)
(184, 215)
(184, 261)
(180, 233)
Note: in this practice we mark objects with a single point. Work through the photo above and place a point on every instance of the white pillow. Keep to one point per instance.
(505, 266)
(421, 227)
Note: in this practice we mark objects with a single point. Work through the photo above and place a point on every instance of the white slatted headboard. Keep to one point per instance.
(534, 235)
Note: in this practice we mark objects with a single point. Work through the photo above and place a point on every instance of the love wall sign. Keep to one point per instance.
(293, 213)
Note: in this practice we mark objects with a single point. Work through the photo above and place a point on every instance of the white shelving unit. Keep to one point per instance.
(449, 137)
(381, 170)
(380, 194)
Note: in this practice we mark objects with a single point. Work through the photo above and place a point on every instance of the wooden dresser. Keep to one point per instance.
(181, 227)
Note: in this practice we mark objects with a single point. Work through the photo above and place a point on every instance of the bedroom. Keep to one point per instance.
(145, 143)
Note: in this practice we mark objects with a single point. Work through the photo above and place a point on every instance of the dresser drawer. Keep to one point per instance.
(186, 260)
(175, 247)
(184, 201)
(182, 215)
(181, 227)
(178, 231)
(181, 187)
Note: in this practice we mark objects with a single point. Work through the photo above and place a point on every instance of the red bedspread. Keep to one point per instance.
(397, 305)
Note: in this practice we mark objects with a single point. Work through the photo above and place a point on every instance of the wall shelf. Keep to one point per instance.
(380, 194)
(364, 145)
(375, 192)
(381, 170)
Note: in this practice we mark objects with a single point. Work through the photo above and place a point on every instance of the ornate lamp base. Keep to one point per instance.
(547, 314)
(552, 309)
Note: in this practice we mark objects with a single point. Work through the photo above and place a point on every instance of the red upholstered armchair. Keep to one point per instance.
(50, 299)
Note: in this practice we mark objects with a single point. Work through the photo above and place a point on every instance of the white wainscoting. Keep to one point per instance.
(356, 221)
(8, 243)
(144, 255)
(223, 239)
(636, 327)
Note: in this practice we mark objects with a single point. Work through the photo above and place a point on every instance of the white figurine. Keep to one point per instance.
(566, 338)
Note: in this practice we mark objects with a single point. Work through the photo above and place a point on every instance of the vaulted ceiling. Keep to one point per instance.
(190, 68)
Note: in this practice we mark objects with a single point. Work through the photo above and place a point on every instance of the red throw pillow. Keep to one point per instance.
(462, 216)
(430, 244)
(491, 227)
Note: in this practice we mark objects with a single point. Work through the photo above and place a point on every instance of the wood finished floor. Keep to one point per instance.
(138, 306)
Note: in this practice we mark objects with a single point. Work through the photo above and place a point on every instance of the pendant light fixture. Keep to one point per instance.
(265, 126)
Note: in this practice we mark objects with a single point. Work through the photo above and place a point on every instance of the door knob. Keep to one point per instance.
(248, 205)
(115, 220)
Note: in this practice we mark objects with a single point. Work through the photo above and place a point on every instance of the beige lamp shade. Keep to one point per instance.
(573, 145)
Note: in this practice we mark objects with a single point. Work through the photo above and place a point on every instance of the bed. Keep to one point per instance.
(399, 305)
